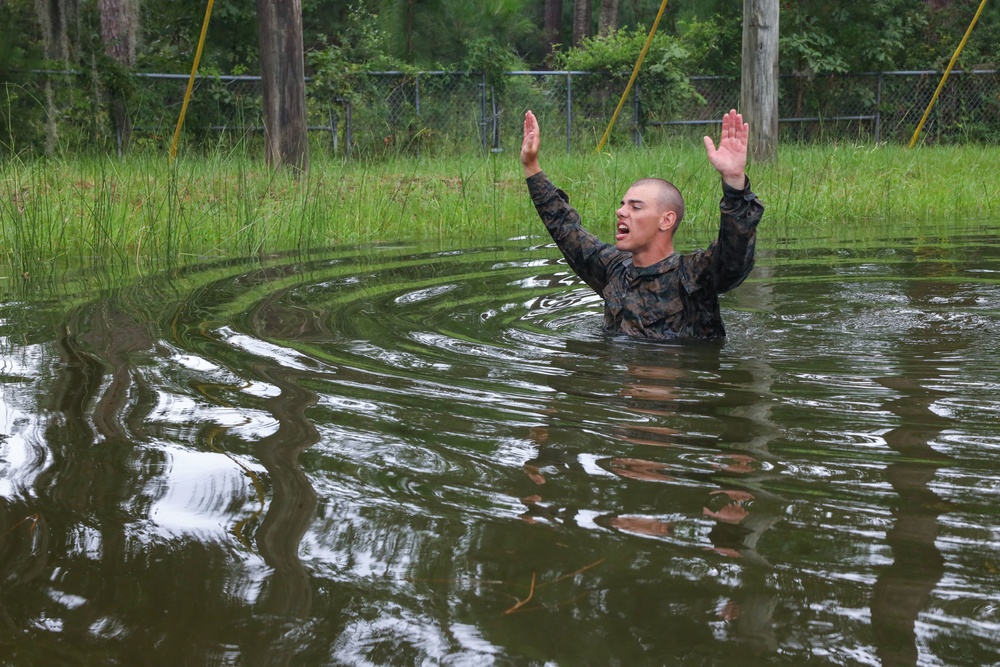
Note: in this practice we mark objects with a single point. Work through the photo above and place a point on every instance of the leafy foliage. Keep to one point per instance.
(488, 56)
(442, 31)
(336, 68)
(714, 45)
(822, 38)
(171, 32)
(663, 77)
(946, 26)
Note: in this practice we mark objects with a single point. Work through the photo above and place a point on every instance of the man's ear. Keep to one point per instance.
(668, 221)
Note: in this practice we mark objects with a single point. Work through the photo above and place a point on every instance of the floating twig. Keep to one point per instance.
(582, 569)
(521, 603)
(33, 518)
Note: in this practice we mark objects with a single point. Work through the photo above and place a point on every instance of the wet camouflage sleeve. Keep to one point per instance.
(588, 256)
(729, 259)
(675, 298)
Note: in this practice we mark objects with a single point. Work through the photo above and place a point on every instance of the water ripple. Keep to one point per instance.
(397, 454)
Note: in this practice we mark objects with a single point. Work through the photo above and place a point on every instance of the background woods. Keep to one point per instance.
(90, 50)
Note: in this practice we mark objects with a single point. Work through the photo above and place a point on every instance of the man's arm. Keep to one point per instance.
(729, 259)
(587, 255)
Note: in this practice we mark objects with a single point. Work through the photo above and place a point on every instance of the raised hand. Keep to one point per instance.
(529, 146)
(730, 158)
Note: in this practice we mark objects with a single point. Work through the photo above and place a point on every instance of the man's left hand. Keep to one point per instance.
(730, 158)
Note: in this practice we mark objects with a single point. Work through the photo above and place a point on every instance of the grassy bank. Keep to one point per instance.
(145, 211)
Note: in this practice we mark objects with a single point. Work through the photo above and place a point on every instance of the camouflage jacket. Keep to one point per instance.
(677, 297)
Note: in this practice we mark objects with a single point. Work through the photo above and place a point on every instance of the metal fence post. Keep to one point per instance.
(878, 109)
(496, 148)
(482, 109)
(333, 129)
(348, 138)
(416, 104)
(569, 111)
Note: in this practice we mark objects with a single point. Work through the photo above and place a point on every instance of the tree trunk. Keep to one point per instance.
(759, 88)
(52, 17)
(607, 22)
(409, 30)
(581, 21)
(282, 68)
(552, 27)
(119, 28)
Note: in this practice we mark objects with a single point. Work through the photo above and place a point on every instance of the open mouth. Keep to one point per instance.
(622, 231)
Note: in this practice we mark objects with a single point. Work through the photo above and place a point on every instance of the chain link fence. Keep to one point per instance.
(574, 108)
(430, 113)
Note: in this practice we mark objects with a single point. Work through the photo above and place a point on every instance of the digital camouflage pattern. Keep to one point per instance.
(675, 298)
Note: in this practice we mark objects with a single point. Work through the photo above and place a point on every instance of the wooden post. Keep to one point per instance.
(759, 84)
(282, 69)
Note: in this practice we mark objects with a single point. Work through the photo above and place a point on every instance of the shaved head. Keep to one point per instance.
(668, 197)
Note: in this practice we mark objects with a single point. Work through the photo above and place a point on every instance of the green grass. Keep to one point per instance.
(145, 211)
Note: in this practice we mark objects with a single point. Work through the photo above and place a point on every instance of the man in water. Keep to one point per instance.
(649, 290)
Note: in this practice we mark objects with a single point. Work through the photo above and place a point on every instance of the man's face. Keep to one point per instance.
(640, 219)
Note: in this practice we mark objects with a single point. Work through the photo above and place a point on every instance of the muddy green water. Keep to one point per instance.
(403, 455)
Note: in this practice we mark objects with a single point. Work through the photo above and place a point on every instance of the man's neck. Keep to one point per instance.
(652, 256)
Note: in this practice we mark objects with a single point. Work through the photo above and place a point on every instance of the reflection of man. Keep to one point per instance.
(741, 519)
(649, 290)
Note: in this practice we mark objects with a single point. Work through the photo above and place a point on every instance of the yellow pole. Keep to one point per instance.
(635, 71)
(194, 71)
(944, 78)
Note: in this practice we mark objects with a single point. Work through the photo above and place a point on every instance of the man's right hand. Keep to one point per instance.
(529, 146)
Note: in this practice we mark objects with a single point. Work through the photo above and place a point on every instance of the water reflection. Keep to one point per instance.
(903, 589)
(118, 504)
(709, 489)
(403, 456)
(286, 599)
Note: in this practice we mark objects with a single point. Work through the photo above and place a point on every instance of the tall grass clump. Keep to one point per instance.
(147, 211)
(25, 233)
(879, 192)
